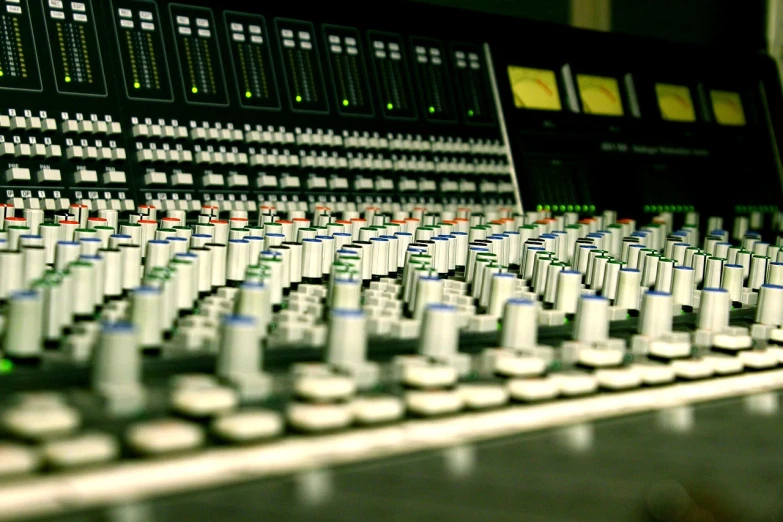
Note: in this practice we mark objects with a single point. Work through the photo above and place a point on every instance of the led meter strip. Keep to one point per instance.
(131, 482)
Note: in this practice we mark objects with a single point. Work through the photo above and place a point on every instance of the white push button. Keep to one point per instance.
(49, 176)
(83, 177)
(155, 178)
(114, 177)
(17, 174)
(181, 178)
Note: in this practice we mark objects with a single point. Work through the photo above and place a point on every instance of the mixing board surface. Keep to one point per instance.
(241, 244)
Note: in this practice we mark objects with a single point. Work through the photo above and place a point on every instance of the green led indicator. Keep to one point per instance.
(389, 106)
(592, 208)
(546, 207)
(137, 85)
(298, 99)
(470, 114)
(67, 79)
(1, 73)
(6, 366)
(432, 109)
(345, 103)
(248, 94)
(539, 208)
(194, 90)
(578, 208)
(570, 208)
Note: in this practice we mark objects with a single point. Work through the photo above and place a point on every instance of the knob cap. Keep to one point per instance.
(157, 255)
(714, 307)
(24, 329)
(439, 336)
(255, 300)
(732, 280)
(591, 324)
(713, 271)
(501, 290)
(655, 317)
(629, 284)
(429, 291)
(770, 305)
(116, 369)
(775, 274)
(758, 271)
(347, 338)
(520, 325)
(569, 287)
(611, 277)
(239, 359)
(683, 285)
(147, 316)
(346, 293)
(237, 259)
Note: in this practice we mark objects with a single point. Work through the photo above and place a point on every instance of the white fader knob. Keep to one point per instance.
(254, 300)
(591, 324)
(655, 319)
(518, 355)
(239, 361)
(24, 329)
(628, 288)
(769, 315)
(770, 305)
(346, 347)
(714, 307)
(520, 326)
(116, 369)
(146, 315)
(439, 338)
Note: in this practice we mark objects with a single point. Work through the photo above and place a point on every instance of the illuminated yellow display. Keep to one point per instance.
(727, 107)
(599, 95)
(675, 102)
(534, 88)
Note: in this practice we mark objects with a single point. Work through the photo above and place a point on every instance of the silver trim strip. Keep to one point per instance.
(54, 494)
(630, 87)
(568, 81)
(502, 124)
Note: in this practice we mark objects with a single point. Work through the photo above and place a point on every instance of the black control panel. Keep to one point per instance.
(180, 105)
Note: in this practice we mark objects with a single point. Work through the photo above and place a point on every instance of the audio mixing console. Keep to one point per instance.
(238, 243)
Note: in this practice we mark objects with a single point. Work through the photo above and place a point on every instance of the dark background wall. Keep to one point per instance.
(730, 23)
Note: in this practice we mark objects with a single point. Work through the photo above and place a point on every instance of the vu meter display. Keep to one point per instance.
(251, 61)
(198, 55)
(473, 91)
(303, 76)
(727, 107)
(73, 44)
(139, 37)
(534, 88)
(433, 79)
(348, 72)
(675, 102)
(599, 95)
(395, 91)
(18, 60)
